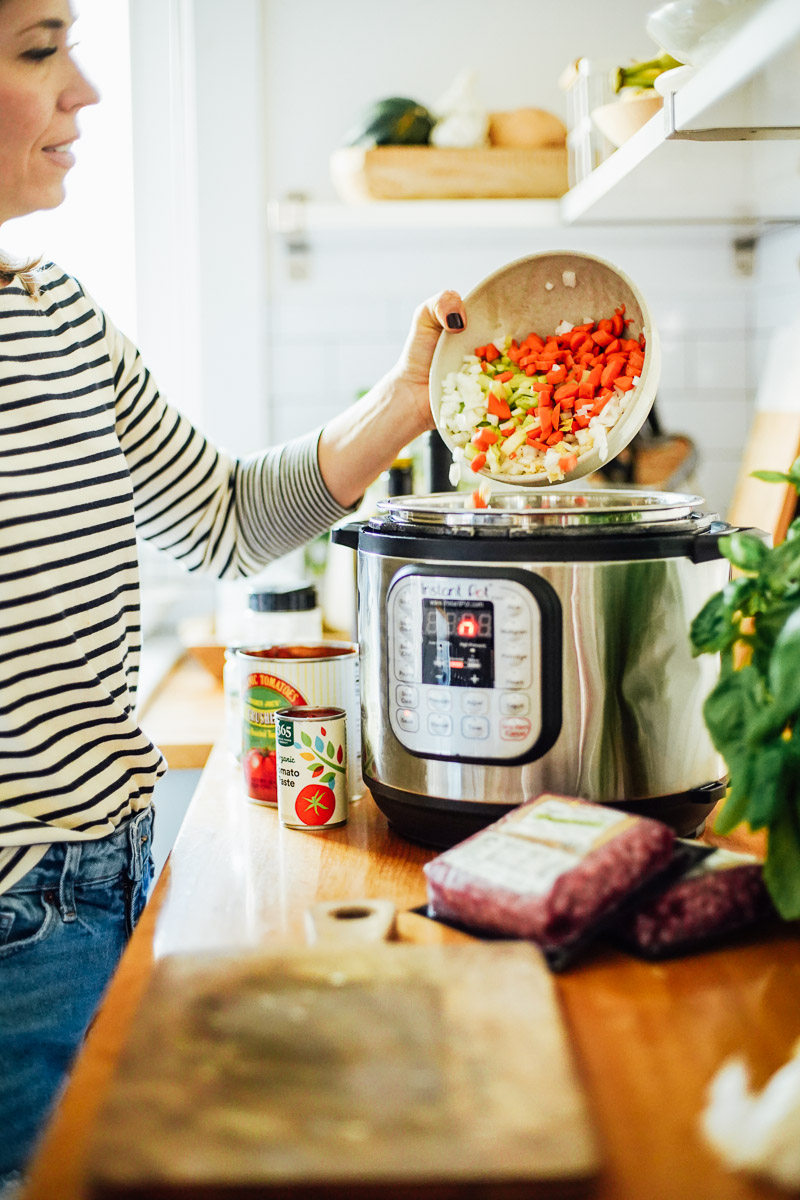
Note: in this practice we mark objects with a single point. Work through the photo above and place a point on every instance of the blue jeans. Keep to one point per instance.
(63, 928)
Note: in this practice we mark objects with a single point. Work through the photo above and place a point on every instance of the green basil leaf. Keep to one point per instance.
(782, 868)
(730, 709)
(744, 550)
(715, 627)
(734, 807)
(770, 780)
(771, 476)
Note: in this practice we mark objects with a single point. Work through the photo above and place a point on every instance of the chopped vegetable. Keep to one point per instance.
(537, 404)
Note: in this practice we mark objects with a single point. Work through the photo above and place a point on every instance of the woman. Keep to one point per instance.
(91, 456)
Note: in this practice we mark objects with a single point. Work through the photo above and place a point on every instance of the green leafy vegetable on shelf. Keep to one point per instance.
(642, 74)
(395, 121)
(753, 712)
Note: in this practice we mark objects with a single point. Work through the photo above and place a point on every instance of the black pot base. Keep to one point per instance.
(437, 823)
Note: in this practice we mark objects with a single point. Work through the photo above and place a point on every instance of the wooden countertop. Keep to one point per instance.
(647, 1037)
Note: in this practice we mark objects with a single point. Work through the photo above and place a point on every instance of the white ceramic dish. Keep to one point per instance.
(621, 119)
(516, 299)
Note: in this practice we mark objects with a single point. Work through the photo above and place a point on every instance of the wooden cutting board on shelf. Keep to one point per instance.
(366, 1070)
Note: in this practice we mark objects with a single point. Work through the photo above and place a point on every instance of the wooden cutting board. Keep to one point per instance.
(369, 1070)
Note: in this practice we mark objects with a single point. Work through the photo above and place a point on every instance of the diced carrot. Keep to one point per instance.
(513, 354)
(617, 324)
(613, 347)
(601, 338)
(585, 328)
(485, 368)
(508, 427)
(591, 383)
(530, 370)
(554, 439)
(636, 360)
(539, 444)
(580, 422)
(545, 419)
(478, 500)
(623, 383)
(606, 325)
(568, 462)
(565, 391)
(610, 372)
(556, 417)
(497, 407)
(505, 376)
(491, 352)
(631, 371)
(558, 374)
(545, 395)
(478, 461)
(480, 351)
(484, 437)
(568, 402)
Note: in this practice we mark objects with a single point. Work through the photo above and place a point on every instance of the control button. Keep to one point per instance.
(404, 600)
(474, 702)
(514, 704)
(514, 659)
(513, 679)
(408, 720)
(407, 697)
(440, 725)
(514, 729)
(474, 727)
(405, 650)
(513, 606)
(404, 625)
(513, 632)
(439, 701)
(406, 671)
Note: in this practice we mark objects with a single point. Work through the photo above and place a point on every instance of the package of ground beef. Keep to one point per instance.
(721, 895)
(550, 871)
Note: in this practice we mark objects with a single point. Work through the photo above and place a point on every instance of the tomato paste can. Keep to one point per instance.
(311, 744)
(288, 675)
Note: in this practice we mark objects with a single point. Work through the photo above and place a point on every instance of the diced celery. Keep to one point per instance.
(485, 381)
(470, 451)
(492, 458)
(514, 442)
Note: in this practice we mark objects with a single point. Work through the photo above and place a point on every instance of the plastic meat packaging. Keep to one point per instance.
(721, 895)
(552, 871)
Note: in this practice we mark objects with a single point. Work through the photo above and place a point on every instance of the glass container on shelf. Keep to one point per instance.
(587, 86)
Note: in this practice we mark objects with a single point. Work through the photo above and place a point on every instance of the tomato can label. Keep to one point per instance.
(311, 744)
(291, 675)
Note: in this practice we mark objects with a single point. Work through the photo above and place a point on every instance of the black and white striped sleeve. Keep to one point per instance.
(209, 510)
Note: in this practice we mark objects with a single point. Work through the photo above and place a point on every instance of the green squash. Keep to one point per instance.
(396, 121)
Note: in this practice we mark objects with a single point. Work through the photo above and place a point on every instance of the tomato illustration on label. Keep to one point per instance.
(261, 776)
(315, 804)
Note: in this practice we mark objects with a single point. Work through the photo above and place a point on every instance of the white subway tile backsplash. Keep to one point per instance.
(717, 362)
(712, 418)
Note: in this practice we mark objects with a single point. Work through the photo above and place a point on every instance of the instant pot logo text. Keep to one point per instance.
(456, 589)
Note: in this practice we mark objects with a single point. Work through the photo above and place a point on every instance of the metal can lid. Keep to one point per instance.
(283, 597)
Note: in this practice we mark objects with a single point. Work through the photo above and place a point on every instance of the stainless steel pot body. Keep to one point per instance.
(631, 694)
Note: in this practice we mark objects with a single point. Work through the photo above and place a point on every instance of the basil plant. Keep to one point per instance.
(753, 712)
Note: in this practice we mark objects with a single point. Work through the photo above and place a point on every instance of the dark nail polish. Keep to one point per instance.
(454, 321)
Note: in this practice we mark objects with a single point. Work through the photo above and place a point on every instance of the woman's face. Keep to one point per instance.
(41, 93)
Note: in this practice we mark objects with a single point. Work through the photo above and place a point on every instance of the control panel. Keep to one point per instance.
(464, 666)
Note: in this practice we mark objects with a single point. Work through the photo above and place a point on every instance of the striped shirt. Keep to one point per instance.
(90, 457)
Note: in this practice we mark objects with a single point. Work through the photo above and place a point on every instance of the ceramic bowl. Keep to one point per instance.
(620, 119)
(531, 294)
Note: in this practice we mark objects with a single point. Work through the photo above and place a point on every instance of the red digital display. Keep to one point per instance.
(467, 627)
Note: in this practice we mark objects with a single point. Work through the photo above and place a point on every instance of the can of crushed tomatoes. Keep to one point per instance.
(311, 745)
(287, 675)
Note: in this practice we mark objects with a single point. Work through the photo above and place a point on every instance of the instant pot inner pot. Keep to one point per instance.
(605, 698)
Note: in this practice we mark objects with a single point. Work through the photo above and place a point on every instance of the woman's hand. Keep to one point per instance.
(364, 439)
(444, 311)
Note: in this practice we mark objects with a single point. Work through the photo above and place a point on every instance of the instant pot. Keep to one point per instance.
(540, 644)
